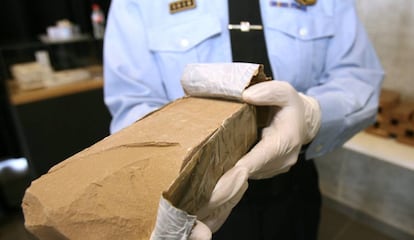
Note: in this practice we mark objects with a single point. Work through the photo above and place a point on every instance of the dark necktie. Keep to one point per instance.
(248, 46)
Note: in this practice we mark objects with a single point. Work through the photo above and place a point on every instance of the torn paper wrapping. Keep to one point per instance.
(172, 222)
(112, 189)
(220, 80)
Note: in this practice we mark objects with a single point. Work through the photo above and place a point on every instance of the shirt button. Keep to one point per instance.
(184, 42)
(303, 31)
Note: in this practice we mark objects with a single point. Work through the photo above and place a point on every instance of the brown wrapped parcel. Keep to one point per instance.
(112, 189)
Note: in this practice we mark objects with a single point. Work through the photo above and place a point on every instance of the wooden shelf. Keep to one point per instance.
(19, 98)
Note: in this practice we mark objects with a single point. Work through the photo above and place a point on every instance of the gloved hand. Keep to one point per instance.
(226, 194)
(173, 223)
(296, 122)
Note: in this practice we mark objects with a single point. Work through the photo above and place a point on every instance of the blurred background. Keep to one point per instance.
(51, 102)
(51, 107)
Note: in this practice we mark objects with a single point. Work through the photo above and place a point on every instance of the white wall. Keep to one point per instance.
(390, 24)
(382, 190)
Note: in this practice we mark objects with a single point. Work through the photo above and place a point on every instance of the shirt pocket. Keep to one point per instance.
(180, 42)
(298, 44)
(182, 36)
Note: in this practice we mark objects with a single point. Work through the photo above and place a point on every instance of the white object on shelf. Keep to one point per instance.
(68, 76)
(74, 38)
(98, 21)
(42, 57)
(63, 30)
(31, 75)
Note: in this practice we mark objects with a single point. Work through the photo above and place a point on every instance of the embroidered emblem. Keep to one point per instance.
(288, 5)
(181, 5)
(306, 2)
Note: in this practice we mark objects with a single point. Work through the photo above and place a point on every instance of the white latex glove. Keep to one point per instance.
(175, 224)
(226, 194)
(200, 232)
(295, 123)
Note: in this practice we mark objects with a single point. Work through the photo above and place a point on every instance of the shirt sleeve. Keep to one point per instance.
(349, 89)
(132, 84)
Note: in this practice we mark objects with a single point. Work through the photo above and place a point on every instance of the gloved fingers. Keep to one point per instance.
(219, 216)
(230, 188)
(273, 168)
(200, 232)
(257, 158)
(312, 115)
(269, 93)
(227, 193)
(272, 155)
(289, 119)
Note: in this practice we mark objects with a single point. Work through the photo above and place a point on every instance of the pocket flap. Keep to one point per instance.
(182, 36)
(302, 26)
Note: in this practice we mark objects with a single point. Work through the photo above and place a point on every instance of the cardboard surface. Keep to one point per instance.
(112, 189)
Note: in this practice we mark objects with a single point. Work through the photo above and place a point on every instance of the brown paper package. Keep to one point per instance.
(112, 189)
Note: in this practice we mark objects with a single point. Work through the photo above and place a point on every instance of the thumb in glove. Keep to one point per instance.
(226, 194)
(173, 223)
(296, 122)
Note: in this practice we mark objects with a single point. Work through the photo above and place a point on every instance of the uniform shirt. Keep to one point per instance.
(323, 52)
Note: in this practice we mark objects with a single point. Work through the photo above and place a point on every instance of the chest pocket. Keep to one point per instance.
(183, 36)
(298, 44)
(176, 44)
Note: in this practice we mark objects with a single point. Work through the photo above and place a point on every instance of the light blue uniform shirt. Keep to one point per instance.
(323, 52)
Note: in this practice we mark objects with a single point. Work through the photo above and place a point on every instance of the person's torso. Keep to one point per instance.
(296, 39)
